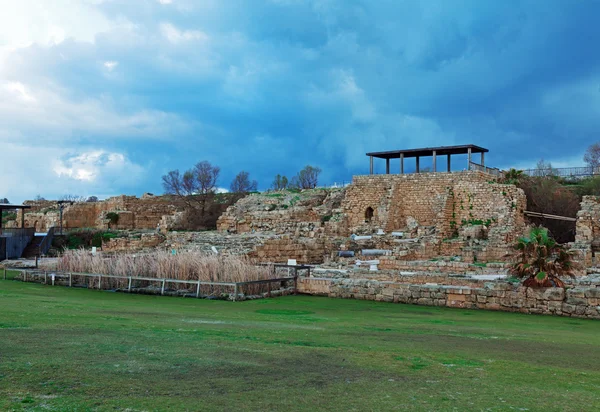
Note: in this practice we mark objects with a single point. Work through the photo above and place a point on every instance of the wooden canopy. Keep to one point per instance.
(468, 149)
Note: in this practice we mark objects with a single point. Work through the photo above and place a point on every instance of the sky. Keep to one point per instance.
(103, 97)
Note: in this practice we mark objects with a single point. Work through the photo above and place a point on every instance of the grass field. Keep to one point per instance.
(69, 349)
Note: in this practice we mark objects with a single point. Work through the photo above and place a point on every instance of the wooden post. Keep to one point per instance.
(371, 165)
(469, 153)
(449, 168)
(235, 292)
(70, 279)
(417, 159)
(129, 285)
(387, 166)
(401, 163)
(434, 158)
(162, 289)
(198, 290)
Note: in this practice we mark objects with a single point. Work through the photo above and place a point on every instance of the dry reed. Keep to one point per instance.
(192, 266)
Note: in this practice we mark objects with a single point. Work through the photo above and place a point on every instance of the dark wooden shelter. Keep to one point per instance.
(7, 206)
(434, 152)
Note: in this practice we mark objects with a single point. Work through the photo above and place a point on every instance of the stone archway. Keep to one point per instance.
(369, 214)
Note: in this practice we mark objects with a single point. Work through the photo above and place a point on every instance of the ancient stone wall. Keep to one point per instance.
(576, 302)
(587, 235)
(133, 213)
(465, 214)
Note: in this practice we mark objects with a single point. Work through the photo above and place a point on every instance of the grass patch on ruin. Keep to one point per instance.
(70, 349)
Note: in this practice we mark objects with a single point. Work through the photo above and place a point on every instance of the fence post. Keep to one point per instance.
(70, 279)
(296, 284)
(52, 280)
(129, 286)
(4, 273)
(162, 289)
(269, 288)
(235, 292)
(100, 282)
(45, 278)
(198, 290)
(24, 276)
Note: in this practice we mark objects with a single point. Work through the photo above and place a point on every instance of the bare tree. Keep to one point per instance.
(199, 180)
(242, 184)
(92, 199)
(194, 185)
(308, 177)
(206, 176)
(592, 155)
(280, 183)
(543, 169)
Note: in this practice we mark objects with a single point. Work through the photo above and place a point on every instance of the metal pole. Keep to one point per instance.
(449, 168)
(60, 208)
(162, 289)
(418, 169)
(70, 280)
(371, 165)
(434, 158)
(198, 290)
(129, 285)
(235, 292)
(4, 273)
(387, 166)
(482, 159)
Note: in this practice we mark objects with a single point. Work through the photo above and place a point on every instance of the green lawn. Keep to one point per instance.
(69, 349)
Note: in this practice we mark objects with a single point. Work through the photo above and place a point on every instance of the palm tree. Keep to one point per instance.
(513, 176)
(542, 260)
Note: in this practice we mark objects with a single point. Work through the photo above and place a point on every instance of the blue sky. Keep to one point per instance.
(103, 97)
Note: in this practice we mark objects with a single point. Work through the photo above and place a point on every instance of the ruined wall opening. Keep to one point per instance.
(369, 214)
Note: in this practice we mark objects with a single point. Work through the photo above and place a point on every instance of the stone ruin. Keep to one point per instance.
(133, 213)
(439, 239)
(467, 216)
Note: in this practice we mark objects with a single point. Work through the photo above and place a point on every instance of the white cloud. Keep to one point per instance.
(52, 174)
(23, 22)
(47, 112)
(165, 1)
(175, 35)
(18, 90)
(110, 65)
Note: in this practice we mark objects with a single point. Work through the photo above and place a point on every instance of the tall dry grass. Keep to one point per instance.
(192, 266)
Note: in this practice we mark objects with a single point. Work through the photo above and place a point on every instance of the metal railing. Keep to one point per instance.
(481, 168)
(567, 172)
(47, 241)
